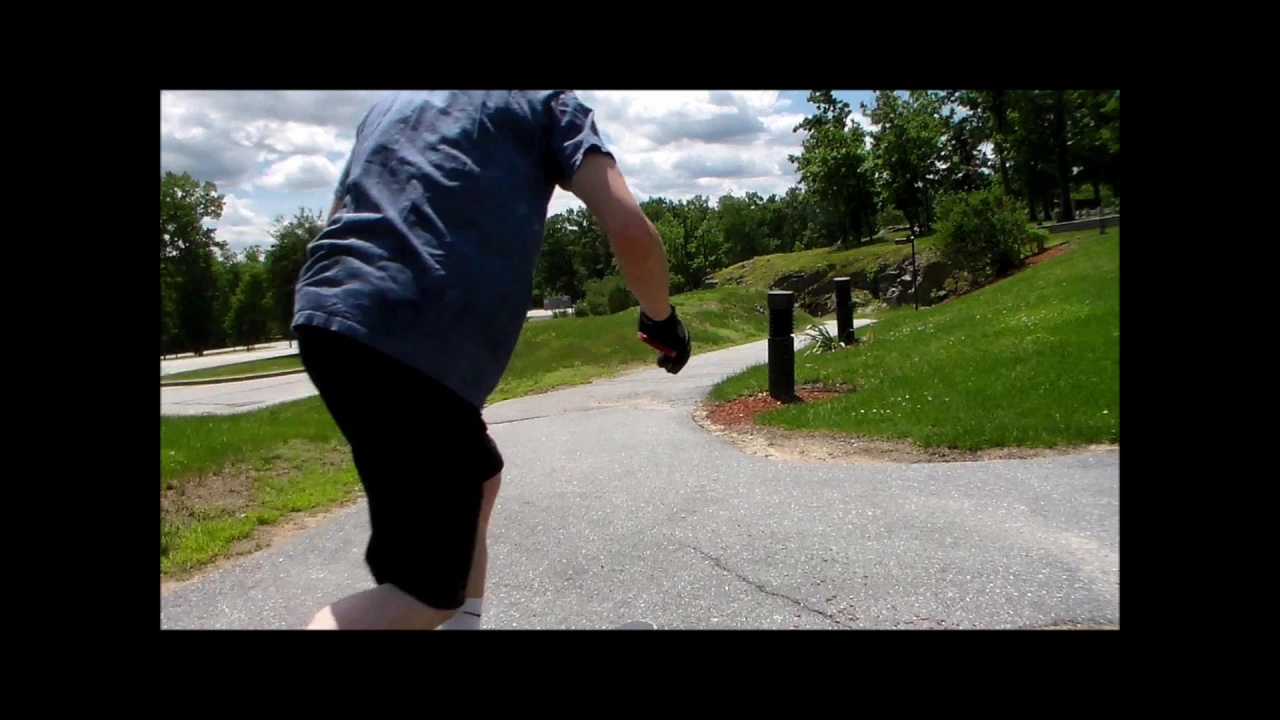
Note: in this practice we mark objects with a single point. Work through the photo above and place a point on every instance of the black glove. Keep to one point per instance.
(668, 337)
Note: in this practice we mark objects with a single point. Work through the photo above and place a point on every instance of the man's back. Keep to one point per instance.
(443, 202)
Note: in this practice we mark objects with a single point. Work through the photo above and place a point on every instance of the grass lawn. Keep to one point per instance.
(1031, 361)
(225, 479)
(248, 367)
(760, 272)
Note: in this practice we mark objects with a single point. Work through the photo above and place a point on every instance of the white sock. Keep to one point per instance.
(467, 617)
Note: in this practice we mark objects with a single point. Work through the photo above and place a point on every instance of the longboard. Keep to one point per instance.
(637, 625)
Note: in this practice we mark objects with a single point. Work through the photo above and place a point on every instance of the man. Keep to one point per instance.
(410, 304)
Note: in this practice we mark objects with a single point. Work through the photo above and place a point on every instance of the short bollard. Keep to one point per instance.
(844, 311)
(782, 349)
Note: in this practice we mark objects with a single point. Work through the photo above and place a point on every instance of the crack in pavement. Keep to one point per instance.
(798, 603)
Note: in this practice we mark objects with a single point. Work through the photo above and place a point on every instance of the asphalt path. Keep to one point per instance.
(616, 506)
(225, 357)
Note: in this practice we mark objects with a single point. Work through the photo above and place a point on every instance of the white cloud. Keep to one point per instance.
(277, 151)
(241, 226)
(301, 172)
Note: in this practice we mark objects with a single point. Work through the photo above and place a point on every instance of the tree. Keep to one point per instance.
(188, 261)
(249, 320)
(990, 111)
(284, 261)
(1031, 145)
(833, 165)
(908, 149)
(555, 273)
(1066, 213)
(1094, 137)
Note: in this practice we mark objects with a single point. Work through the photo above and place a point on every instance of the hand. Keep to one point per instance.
(669, 337)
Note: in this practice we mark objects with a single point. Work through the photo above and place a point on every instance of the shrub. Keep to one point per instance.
(580, 309)
(982, 232)
(609, 295)
(891, 217)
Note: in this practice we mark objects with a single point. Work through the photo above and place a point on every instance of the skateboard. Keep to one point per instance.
(637, 625)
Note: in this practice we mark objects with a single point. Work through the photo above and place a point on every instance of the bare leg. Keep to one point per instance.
(480, 562)
(469, 619)
(386, 607)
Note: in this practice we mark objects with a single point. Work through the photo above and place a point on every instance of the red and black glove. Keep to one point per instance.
(669, 337)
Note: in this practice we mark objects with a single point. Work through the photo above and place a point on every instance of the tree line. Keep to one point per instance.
(1053, 151)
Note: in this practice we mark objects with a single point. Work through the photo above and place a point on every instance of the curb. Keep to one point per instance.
(233, 378)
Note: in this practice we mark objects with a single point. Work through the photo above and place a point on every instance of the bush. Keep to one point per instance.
(983, 232)
(609, 295)
(580, 309)
(891, 217)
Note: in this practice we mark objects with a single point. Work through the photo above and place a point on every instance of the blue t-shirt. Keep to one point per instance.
(444, 198)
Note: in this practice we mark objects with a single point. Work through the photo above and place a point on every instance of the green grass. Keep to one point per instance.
(761, 272)
(248, 367)
(224, 478)
(1032, 361)
(572, 350)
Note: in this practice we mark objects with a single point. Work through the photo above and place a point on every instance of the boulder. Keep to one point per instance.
(893, 298)
(799, 281)
(887, 279)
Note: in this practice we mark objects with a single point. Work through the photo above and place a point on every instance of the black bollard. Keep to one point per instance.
(844, 310)
(782, 349)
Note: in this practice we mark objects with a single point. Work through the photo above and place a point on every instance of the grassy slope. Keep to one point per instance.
(567, 351)
(759, 273)
(222, 477)
(1033, 360)
(248, 367)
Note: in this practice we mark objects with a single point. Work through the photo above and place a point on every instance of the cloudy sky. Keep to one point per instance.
(272, 152)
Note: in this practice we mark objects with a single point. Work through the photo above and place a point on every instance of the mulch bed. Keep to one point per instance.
(1049, 254)
(742, 410)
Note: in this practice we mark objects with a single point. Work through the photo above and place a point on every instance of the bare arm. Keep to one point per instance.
(635, 241)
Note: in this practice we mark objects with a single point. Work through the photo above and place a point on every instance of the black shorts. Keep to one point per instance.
(423, 454)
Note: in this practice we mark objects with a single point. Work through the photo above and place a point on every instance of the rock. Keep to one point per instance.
(858, 281)
(819, 305)
(893, 298)
(887, 279)
(934, 275)
(710, 284)
(941, 296)
(799, 280)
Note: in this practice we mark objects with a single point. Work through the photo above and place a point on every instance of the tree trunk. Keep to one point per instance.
(1097, 194)
(998, 109)
(1046, 199)
(1031, 201)
(1064, 163)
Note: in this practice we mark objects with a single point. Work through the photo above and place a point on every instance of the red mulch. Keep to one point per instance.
(1049, 254)
(744, 409)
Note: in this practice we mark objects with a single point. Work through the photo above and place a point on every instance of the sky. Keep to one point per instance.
(273, 152)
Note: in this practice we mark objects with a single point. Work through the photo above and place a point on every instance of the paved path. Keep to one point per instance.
(259, 352)
(234, 397)
(617, 506)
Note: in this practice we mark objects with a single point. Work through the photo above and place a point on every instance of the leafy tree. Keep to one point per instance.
(188, 261)
(1094, 137)
(284, 261)
(908, 149)
(833, 165)
(249, 320)
(1065, 213)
